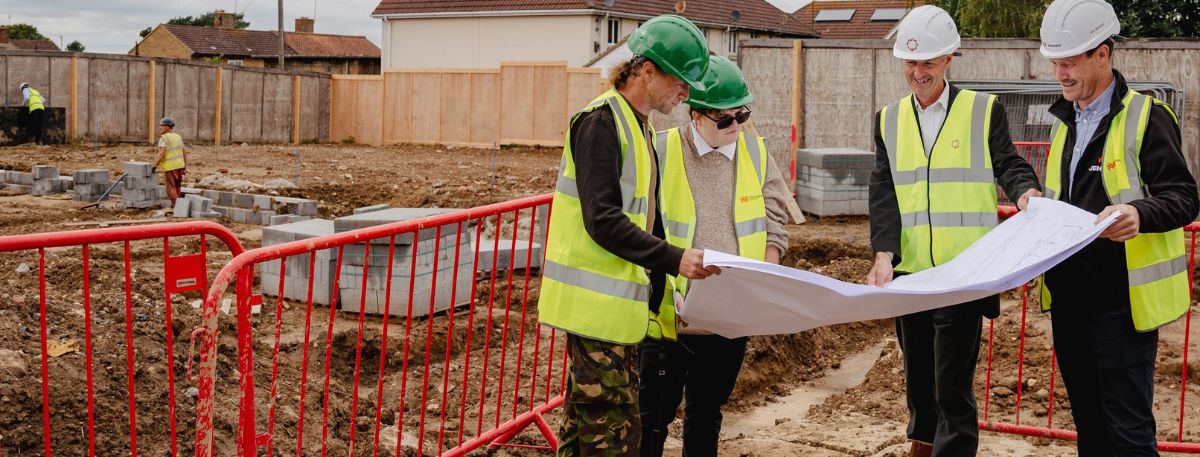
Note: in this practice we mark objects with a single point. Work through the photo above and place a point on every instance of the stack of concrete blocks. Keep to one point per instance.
(296, 274)
(488, 250)
(90, 184)
(140, 189)
(191, 204)
(350, 285)
(46, 181)
(833, 181)
(19, 179)
(260, 209)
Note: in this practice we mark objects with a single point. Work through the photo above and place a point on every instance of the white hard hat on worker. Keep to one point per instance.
(926, 32)
(1073, 27)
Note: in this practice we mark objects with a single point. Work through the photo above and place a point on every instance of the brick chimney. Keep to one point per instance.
(304, 25)
(224, 20)
(3, 35)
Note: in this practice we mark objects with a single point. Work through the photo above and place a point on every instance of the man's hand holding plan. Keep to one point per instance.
(758, 298)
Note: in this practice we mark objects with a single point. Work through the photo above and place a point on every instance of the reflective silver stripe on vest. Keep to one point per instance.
(948, 219)
(660, 146)
(678, 229)
(565, 184)
(1051, 194)
(1134, 192)
(890, 132)
(750, 227)
(629, 164)
(596, 283)
(1161, 270)
(978, 139)
(755, 154)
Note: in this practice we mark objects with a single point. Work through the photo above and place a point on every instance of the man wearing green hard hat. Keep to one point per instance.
(720, 191)
(606, 255)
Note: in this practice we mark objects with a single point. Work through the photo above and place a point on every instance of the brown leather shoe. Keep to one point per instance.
(920, 449)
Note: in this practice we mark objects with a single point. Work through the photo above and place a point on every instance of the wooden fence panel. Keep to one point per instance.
(516, 101)
(426, 107)
(549, 101)
(397, 107)
(455, 108)
(485, 108)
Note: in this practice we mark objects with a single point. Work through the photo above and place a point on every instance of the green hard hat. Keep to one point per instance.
(724, 87)
(675, 45)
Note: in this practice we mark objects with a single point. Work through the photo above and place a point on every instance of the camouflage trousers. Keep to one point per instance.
(601, 409)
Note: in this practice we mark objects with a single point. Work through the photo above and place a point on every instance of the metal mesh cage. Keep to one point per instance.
(1027, 102)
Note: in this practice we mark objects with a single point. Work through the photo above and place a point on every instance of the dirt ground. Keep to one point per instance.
(832, 391)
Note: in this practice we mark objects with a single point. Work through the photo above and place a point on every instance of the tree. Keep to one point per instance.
(24, 32)
(996, 18)
(203, 20)
(1159, 18)
(75, 46)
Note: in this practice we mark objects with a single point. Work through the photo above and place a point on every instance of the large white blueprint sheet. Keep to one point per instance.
(758, 298)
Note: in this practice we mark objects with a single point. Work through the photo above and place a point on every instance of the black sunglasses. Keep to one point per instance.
(727, 120)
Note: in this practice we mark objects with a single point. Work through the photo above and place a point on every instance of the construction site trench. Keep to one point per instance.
(834, 391)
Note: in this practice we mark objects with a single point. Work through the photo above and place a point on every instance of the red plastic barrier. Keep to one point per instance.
(181, 273)
(1019, 427)
(506, 383)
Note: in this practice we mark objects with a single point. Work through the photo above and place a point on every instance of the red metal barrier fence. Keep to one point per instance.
(112, 298)
(443, 380)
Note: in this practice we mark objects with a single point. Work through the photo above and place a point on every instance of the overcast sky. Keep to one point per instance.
(112, 26)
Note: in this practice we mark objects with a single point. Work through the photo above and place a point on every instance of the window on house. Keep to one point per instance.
(753, 36)
(614, 31)
(237, 62)
(733, 44)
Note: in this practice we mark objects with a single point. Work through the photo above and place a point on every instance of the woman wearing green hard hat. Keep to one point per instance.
(720, 191)
(606, 255)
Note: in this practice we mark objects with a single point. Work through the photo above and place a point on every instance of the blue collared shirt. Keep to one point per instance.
(1086, 122)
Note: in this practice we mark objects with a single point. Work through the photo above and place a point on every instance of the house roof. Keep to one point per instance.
(322, 45)
(860, 24)
(31, 45)
(754, 14)
(265, 43)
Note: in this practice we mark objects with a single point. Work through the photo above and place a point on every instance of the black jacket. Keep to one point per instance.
(1096, 276)
(1015, 175)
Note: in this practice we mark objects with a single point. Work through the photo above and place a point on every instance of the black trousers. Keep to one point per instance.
(700, 368)
(941, 347)
(33, 130)
(1108, 369)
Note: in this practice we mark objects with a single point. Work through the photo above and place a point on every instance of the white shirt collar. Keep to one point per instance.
(942, 102)
(702, 146)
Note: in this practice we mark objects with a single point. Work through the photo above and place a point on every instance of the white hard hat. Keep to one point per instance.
(926, 32)
(24, 85)
(1073, 27)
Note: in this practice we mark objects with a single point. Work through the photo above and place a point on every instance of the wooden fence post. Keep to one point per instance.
(217, 112)
(296, 109)
(150, 104)
(73, 105)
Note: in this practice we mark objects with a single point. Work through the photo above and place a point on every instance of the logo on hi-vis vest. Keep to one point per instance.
(747, 198)
(1111, 165)
(954, 144)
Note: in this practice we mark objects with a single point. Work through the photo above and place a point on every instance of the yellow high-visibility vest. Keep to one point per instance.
(36, 101)
(173, 160)
(587, 290)
(947, 199)
(678, 207)
(1157, 263)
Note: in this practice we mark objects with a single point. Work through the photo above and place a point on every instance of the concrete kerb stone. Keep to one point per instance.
(138, 169)
(368, 209)
(387, 216)
(296, 287)
(503, 251)
(44, 172)
(90, 176)
(181, 207)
